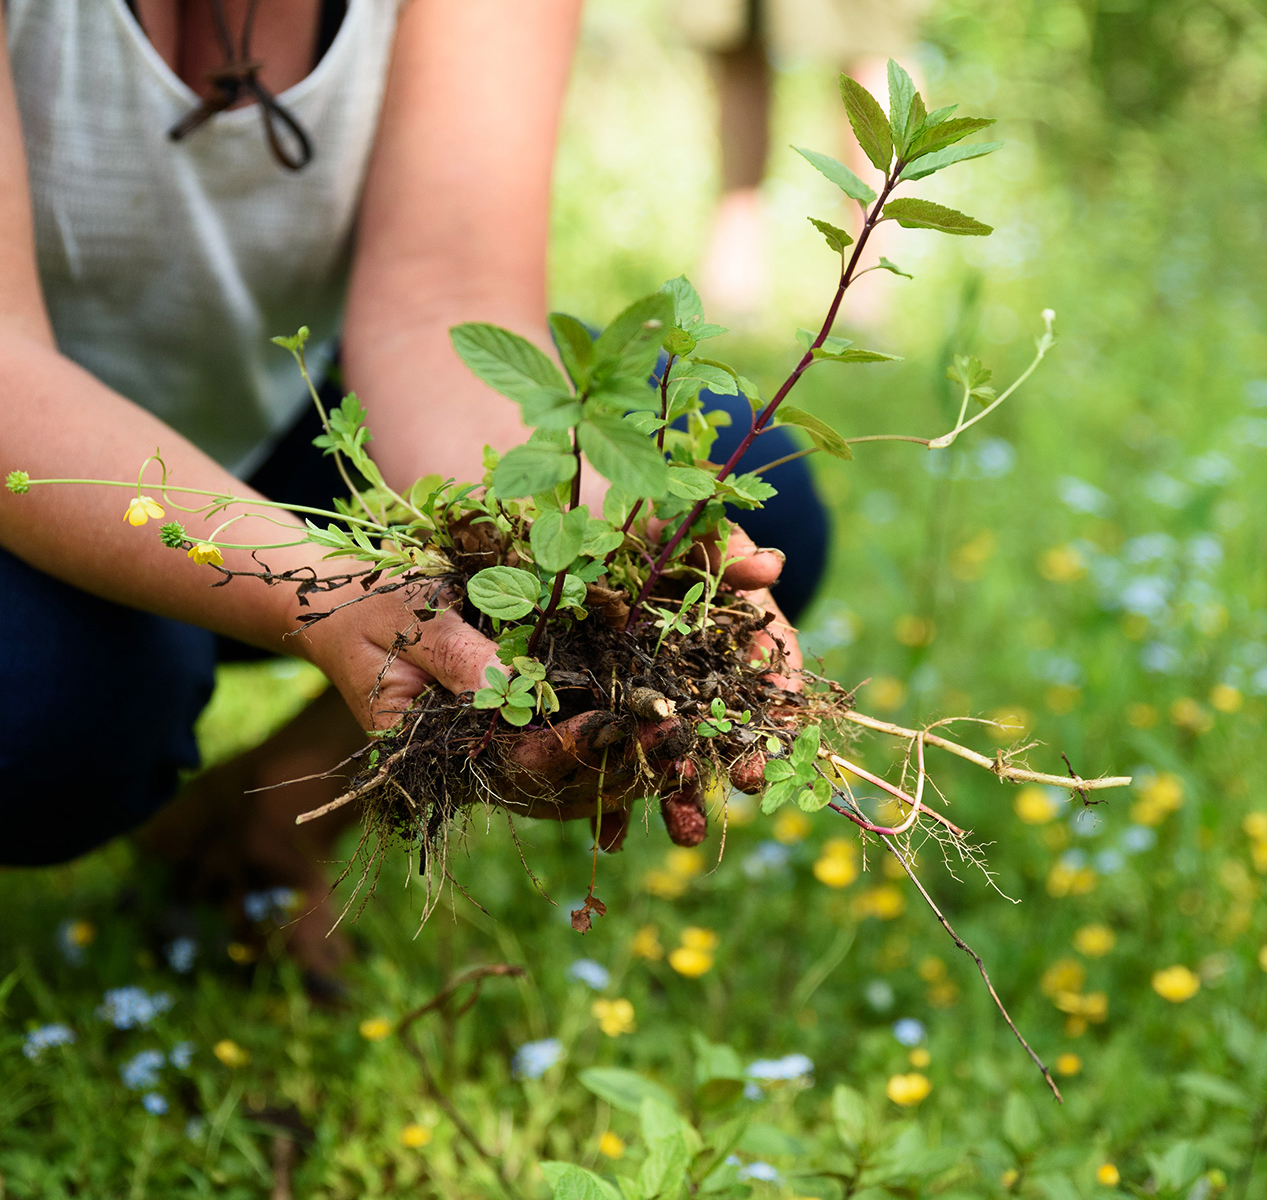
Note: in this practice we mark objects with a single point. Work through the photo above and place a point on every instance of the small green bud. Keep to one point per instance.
(173, 535)
(679, 342)
(18, 482)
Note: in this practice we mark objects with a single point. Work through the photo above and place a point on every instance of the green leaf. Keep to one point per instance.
(625, 1090)
(870, 125)
(849, 1111)
(837, 238)
(529, 668)
(601, 538)
(487, 698)
(619, 453)
(901, 95)
(839, 174)
(556, 538)
(805, 749)
(815, 797)
(295, 342)
(1179, 1167)
(852, 356)
(968, 371)
(506, 593)
(721, 1141)
(688, 308)
(717, 1093)
(831, 343)
(663, 1172)
(575, 345)
(1020, 1123)
(768, 1141)
(912, 213)
(747, 491)
(506, 362)
(574, 593)
(533, 467)
(1213, 1087)
(550, 409)
(777, 795)
(690, 482)
(944, 158)
(939, 133)
(885, 265)
(569, 1182)
(820, 433)
(778, 769)
(517, 715)
(630, 345)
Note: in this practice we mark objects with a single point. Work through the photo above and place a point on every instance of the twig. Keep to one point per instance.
(475, 975)
(968, 950)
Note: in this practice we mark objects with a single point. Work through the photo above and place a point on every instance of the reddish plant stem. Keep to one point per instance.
(664, 416)
(557, 591)
(759, 425)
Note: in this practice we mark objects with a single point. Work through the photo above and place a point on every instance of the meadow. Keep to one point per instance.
(1086, 567)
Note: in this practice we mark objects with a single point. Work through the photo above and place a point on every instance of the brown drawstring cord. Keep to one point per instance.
(239, 74)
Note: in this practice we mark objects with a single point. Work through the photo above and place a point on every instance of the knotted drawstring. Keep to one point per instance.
(239, 73)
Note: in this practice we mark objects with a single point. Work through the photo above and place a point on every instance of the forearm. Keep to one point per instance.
(62, 423)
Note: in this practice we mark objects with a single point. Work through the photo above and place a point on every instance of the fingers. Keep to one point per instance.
(778, 635)
(453, 653)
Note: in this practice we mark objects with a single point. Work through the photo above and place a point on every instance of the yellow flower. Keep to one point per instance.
(931, 969)
(791, 825)
(1064, 880)
(1176, 984)
(1034, 805)
(695, 938)
(1068, 1064)
(886, 693)
(415, 1136)
(1158, 798)
(1062, 564)
(141, 508)
(241, 953)
(230, 1053)
(919, 1058)
(1095, 941)
(663, 884)
(611, 1146)
(683, 862)
(1186, 713)
(204, 552)
(1141, 715)
(81, 933)
(968, 561)
(375, 1029)
(1009, 1177)
(1075, 1027)
(614, 1016)
(837, 863)
(1262, 958)
(884, 902)
(1108, 1175)
(913, 631)
(1094, 1006)
(691, 963)
(1255, 826)
(646, 944)
(1226, 698)
(1064, 975)
(944, 994)
(908, 1090)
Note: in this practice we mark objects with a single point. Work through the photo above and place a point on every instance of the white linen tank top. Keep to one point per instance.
(167, 266)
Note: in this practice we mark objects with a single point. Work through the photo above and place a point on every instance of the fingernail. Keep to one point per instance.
(772, 550)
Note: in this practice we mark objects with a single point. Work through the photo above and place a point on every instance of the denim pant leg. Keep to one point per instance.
(97, 706)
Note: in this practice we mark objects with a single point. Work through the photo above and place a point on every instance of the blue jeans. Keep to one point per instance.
(98, 701)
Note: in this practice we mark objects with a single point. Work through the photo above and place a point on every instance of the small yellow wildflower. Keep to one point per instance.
(886, 693)
(1064, 975)
(695, 938)
(689, 962)
(646, 944)
(241, 953)
(610, 1145)
(1108, 1175)
(1255, 825)
(204, 553)
(663, 884)
(908, 1090)
(415, 1136)
(1094, 1006)
(1075, 1027)
(914, 631)
(1158, 798)
(791, 825)
(141, 508)
(1140, 715)
(81, 933)
(1176, 984)
(614, 1016)
(884, 902)
(837, 863)
(1061, 698)
(1062, 564)
(1010, 724)
(1066, 880)
(968, 561)
(1262, 958)
(1217, 1178)
(1226, 698)
(944, 994)
(375, 1029)
(230, 1053)
(919, 1058)
(931, 969)
(684, 862)
(1009, 1177)
(1186, 713)
(1068, 1064)
(1095, 941)
(1034, 805)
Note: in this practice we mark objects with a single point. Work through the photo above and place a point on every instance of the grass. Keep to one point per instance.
(1089, 561)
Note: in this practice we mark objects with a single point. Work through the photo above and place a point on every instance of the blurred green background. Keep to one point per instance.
(1089, 561)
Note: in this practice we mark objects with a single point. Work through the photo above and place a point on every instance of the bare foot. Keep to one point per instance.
(225, 838)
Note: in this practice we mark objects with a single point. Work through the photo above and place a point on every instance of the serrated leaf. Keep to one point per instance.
(814, 797)
(913, 213)
(885, 265)
(837, 238)
(820, 433)
(623, 1089)
(569, 1182)
(663, 1172)
(533, 467)
(944, 158)
(618, 452)
(805, 749)
(777, 795)
(601, 538)
(690, 482)
(831, 343)
(870, 125)
(573, 594)
(938, 115)
(747, 490)
(688, 308)
(575, 346)
(630, 345)
(506, 593)
(556, 538)
(839, 174)
(510, 364)
(901, 93)
(853, 356)
(944, 133)
(849, 1111)
(777, 770)
(551, 409)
